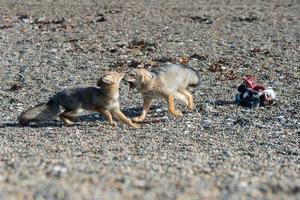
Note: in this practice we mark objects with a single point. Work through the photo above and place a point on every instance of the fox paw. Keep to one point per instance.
(134, 125)
(176, 113)
(113, 124)
(68, 122)
(137, 119)
(191, 107)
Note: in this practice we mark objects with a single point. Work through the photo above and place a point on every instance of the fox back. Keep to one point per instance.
(87, 98)
(176, 76)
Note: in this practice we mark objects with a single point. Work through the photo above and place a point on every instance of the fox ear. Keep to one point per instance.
(107, 79)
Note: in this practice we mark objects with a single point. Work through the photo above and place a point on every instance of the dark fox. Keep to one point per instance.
(103, 99)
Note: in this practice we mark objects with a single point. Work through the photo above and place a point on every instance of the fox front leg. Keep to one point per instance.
(108, 117)
(171, 104)
(120, 116)
(146, 107)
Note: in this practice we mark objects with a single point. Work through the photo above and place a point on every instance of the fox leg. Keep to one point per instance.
(67, 117)
(172, 109)
(146, 106)
(120, 116)
(181, 97)
(189, 96)
(108, 116)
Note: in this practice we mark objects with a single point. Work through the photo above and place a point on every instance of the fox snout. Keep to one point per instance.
(131, 80)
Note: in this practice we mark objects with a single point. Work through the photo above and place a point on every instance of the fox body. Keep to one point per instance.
(103, 99)
(168, 81)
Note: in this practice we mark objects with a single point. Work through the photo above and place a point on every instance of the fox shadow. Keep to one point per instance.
(221, 102)
(52, 123)
(91, 117)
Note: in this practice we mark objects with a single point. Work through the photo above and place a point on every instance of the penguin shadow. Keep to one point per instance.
(222, 102)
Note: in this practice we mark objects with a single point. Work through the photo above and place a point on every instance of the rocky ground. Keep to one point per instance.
(219, 151)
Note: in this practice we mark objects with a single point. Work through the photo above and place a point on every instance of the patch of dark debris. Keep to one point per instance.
(249, 17)
(205, 19)
(142, 45)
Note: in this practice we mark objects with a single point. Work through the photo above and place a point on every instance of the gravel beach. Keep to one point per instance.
(218, 151)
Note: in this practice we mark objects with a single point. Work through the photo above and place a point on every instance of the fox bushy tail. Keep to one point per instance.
(40, 112)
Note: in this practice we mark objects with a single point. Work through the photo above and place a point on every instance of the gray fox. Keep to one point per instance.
(103, 99)
(168, 81)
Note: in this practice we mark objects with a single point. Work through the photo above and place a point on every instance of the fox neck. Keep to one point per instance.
(148, 84)
(111, 91)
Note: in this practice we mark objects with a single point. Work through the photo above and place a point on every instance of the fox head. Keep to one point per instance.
(110, 78)
(138, 77)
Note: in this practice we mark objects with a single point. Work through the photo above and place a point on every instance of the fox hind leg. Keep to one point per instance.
(181, 97)
(190, 99)
(68, 117)
(172, 109)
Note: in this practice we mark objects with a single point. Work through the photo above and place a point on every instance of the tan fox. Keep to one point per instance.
(103, 99)
(168, 81)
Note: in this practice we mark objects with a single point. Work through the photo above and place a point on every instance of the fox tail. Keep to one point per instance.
(40, 112)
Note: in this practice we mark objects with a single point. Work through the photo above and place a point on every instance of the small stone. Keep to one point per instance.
(281, 119)
(60, 169)
(159, 110)
(227, 153)
(230, 121)
(232, 46)
(113, 50)
(15, 87)
(3, 178)
(206, 122)
(189, 126)
(165, 118)
(210, 109)
(140, 183)
(100, 19)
